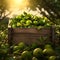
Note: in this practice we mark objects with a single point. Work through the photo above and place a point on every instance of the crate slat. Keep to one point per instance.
(28, 35)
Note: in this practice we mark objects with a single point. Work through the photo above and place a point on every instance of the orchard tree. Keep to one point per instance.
(4, 12)
(3, 20)
(49, 8)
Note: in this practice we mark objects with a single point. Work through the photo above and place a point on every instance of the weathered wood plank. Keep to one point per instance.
(27, 35)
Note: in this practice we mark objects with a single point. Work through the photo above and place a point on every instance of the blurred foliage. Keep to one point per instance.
(4, 11)
(57, 35)
(52, 7)
(4, 47)
(3, 30)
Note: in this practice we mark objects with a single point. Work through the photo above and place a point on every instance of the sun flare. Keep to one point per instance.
(18, 4)
(19, 1)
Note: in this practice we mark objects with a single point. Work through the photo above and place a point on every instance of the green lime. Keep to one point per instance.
(48, 51)
(21, 45)
(37, 52)
(52, 58)
(22, 21)
(14, 26)
(15, 48)
(28, 22)
(42, 22)
(26, 55)
(35, 22)
(19, 24)
(47, 46)
(34, 58)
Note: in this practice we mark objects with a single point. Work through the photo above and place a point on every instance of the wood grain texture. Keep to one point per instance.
(28, 35)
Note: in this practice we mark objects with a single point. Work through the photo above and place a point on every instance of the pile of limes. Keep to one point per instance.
(26, 20)
(29, 52)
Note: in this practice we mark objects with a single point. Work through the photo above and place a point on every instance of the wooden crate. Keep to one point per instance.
(29, 35)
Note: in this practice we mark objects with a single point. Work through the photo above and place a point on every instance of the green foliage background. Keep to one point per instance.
(53, 5)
